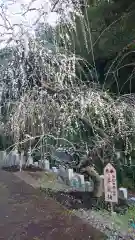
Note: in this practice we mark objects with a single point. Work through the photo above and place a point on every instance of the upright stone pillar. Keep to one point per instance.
(2, 159)
(46, 165)
(22, 161)
(30, 161)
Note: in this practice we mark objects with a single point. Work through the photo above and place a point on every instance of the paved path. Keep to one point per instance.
(26, 214)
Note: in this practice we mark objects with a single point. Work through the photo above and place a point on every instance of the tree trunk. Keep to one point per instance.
(98, 182)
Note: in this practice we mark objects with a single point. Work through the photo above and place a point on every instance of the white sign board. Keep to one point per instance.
(110, 184)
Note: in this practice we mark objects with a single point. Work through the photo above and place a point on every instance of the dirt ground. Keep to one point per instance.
(26, 214)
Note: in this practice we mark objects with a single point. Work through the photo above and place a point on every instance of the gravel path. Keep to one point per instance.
(26, 214)
(82, 208)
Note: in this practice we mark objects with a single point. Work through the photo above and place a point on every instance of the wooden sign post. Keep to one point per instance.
(110, 185)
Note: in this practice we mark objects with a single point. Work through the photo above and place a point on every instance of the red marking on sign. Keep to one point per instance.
(110, 184)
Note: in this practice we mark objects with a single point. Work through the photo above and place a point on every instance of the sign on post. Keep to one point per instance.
(110, 184)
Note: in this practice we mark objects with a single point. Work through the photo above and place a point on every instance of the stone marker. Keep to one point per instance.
(81, 178)
(40, 163)
(123, 194)
(30, 161)
(69, 174)
(46, 164)
(81, 181)
(55, 170)
(17, 159)
(2, 158)
(22, 160)
(36, 164)
(89, 186)
(74, 183)
(110, 185)
(9, 160)
(63, 173)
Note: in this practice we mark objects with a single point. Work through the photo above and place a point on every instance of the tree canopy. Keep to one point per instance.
(59, 84)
